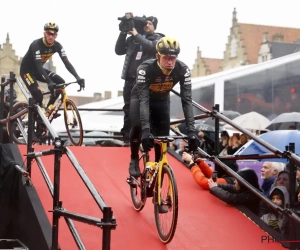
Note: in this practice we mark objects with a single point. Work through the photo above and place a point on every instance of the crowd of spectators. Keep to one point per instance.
(275, 182)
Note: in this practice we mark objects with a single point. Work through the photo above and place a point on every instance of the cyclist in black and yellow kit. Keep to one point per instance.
(39, 52)
(150, 100)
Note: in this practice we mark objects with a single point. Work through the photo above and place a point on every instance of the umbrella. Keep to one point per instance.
(230, 114)
(278, 139)
(250, 121)
(284, 120)
(204, 127)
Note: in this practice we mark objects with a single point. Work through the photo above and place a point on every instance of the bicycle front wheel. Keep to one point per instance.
(73, 123)
(166, 214)
(19, 126)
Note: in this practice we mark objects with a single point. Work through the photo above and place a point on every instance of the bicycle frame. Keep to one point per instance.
(61, 101)
(158, 171)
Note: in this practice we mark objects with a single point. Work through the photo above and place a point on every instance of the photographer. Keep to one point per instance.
(138, 47)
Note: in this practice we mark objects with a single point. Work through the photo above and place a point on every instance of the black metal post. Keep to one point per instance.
(2, 108)
(292, 177)
(107, 217)
(29, 136)
(12, 80)
(292, 193)
(217, 129)
(56, 189)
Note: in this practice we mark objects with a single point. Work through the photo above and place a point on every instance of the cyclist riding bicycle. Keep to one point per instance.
(39, 52)
(150, 100)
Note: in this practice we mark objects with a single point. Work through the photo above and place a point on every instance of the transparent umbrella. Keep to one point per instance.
(250, 121)
(284, 120)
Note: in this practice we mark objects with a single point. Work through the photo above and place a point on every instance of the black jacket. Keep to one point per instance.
(153, 86)
(131, 46)
(228, 194)
(38, 54)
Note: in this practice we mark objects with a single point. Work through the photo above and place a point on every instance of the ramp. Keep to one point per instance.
(204, 222)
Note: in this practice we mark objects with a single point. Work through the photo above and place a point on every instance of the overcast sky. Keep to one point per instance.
(89, 30)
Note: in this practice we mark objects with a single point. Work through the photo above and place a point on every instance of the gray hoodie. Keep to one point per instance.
(271, 217)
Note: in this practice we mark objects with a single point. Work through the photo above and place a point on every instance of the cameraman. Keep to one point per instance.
(138, 48)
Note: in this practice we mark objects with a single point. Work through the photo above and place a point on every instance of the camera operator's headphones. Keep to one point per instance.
(167, 46)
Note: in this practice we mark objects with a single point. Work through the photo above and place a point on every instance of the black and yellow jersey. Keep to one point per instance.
(38, 53)
(152, 85)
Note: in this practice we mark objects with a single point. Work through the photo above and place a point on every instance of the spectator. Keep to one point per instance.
(224, 140)
(298, 176)
(138, 48)
(238, 194)
(233, 144)
(182, 146)
(280, 196)
(297, 173)
(297, 210)
(206, 144)
(201, 171)
(243, 140)
(292, 127)
(269, 172)
(283, 179)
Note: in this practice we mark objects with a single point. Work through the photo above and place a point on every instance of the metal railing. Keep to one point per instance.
(288, 154)
(107, 223)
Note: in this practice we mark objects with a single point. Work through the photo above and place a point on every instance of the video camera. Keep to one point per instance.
(128, 22)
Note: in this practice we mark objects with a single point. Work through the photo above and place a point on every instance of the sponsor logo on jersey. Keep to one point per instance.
(37, 52)
(158, 79)
(28, 76)
(188, 73)
(45, 57)
(169, 78)
(26, 79)
(161, 87)
(63, 52)
(141, 77)
(142, 72)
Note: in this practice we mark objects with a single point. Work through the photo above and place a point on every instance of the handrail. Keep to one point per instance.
(218, 161)
(107, 223)
(289, 154)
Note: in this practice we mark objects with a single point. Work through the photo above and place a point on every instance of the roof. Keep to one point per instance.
(213, 64)
(252, 34)
(279, 49)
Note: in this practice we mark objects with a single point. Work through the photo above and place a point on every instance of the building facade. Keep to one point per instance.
(10, 62)
(249, 44)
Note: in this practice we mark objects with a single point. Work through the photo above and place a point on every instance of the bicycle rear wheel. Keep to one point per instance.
(166, 215)
(73, 123)
(138, 188)
(19, 126)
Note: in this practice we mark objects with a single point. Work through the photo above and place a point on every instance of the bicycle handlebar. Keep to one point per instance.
(62, 86)
(168, 138)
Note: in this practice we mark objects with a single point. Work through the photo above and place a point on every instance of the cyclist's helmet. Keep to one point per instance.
(52, 27)
(167, 46)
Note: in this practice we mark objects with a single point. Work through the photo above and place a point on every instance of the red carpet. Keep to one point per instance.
(204, 222)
